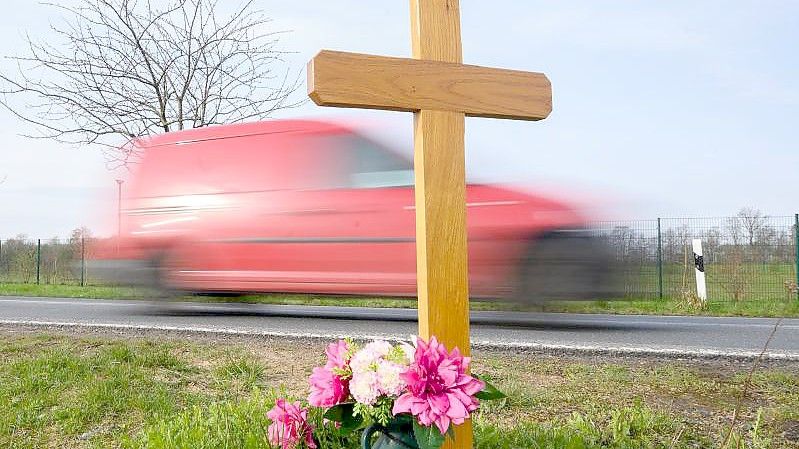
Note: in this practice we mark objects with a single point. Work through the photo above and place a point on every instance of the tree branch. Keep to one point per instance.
(128, 69)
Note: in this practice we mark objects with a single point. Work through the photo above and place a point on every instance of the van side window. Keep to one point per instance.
(372, 166)
(272, 162)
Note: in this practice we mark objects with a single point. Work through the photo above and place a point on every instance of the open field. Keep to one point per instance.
(746, 281)
(748, 308)
(725, 282)
(104, 390)
(763, 308)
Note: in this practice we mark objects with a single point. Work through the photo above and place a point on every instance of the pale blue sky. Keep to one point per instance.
(679, 108)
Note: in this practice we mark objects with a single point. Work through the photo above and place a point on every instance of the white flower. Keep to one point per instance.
(379, 347)
(409, 350)
(366, 359)
(364, 387)
(362, 361)
(373, 375)
(388, 376)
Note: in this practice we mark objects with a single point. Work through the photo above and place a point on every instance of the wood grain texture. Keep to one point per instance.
(441, 256)
(441, 92)
(439, 169)
(441, 227)
(436, 30)
(402, 84)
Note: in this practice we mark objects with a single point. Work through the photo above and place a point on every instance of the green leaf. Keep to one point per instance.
(403, 419)
(490, 392)
(427, 437)
(337, 412)
(343, 414)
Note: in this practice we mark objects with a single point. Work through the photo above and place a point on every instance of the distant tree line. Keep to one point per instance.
(750, 235)
(18, 257)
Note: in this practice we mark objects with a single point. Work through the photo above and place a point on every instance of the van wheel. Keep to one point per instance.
(560, 267)
(162, 291)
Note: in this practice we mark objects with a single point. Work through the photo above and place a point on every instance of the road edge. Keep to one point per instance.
(553, 349)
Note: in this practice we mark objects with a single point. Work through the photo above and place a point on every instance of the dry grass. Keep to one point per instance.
(114, 391)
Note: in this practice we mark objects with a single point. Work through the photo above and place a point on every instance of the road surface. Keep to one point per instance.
(636, 334)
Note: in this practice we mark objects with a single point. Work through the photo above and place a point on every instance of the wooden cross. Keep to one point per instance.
(440, 91)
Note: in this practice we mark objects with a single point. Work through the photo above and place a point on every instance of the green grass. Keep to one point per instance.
(58, 391)
(70, 291)
(113, 292)
(746, 308)
(724, 280)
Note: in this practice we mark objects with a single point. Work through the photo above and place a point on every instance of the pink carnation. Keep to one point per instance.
(438, 389)
(337, 355)
(289, 425)
(327, 388)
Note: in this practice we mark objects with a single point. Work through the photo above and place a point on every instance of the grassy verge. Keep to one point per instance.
(70, 291)
(59, 391)
(747, 308)
(111, 292)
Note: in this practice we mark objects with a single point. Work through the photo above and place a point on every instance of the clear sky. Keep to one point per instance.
(679, 108)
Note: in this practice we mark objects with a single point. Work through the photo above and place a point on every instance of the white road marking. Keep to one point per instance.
(623, 350)
(198, 329)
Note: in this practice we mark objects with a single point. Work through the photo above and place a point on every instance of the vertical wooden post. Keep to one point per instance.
(440, 91)
(441, 229)
(439, 164)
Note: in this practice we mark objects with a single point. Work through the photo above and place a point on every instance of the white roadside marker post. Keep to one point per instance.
(699, 265)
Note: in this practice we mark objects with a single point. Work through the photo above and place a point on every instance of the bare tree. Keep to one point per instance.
(753, 222)
(78, 239)
(132, 68)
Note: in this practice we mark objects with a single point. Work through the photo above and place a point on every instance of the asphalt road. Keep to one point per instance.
(645, 335)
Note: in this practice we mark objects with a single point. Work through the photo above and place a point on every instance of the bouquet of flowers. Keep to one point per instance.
(409, 393)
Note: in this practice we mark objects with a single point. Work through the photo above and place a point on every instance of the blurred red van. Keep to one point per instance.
(309, 206)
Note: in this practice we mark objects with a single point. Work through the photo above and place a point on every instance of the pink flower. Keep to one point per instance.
(337, 355)
(327, 388)
(289, 425)
(438, 389)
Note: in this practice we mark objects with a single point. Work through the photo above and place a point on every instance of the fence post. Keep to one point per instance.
(660, 263)
(82, 261)
(38, 258)
(796, 247)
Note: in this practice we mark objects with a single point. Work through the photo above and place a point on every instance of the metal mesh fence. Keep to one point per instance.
(746, 258)
(39, 261)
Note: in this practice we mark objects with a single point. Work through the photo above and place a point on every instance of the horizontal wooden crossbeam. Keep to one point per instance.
(401, 84)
